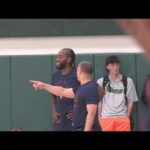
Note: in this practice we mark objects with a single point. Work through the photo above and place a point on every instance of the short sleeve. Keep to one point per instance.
(100, 82)
(131, 91)
(91, 96)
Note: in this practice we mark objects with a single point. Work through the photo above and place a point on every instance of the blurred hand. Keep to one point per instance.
(37, 84)
(70, 115)
(55, 117)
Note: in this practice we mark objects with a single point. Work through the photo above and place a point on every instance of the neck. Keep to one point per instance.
(85, 80)
(66, 70)
(115, 76)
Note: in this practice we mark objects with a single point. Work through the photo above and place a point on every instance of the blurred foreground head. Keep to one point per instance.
(140, 30)
(16, 129)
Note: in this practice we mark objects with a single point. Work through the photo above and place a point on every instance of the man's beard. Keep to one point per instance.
(62, 66)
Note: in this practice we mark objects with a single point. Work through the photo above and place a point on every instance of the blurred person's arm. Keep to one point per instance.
(140, 30)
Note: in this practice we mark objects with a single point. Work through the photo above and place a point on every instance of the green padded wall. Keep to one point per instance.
(31, 109)
(128, 67)
(90, 27)
(57, 27)
(5, 94)
(30, 27)
(22, 107)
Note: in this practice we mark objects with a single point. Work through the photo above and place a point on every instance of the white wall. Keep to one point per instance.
(80, 44)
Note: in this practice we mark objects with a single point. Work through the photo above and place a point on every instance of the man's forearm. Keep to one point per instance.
(89, 121)
(129, 108)
(99, 108)
(54, 89)
(53, 103)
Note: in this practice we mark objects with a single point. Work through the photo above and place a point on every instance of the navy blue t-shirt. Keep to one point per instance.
(84, 95)
(63, 104)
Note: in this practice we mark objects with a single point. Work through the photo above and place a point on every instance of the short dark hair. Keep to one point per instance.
(111, 60)
(86, 67)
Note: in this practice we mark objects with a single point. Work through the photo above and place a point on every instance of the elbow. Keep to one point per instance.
(92, 113)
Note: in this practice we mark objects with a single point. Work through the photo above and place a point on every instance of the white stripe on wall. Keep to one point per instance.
(80, 44)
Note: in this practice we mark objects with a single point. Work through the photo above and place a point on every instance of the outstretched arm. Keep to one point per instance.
(56, 90)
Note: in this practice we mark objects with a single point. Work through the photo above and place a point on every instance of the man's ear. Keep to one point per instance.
(69, 60)
(107, 67)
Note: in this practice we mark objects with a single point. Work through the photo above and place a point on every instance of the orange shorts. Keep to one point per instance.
(115, 124)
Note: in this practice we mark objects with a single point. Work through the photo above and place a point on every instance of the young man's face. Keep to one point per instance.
(113, 68)
(61, 60)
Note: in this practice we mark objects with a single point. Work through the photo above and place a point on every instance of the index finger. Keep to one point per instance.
(33, 81)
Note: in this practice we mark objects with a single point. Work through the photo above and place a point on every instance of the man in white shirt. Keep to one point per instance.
(115, 108)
